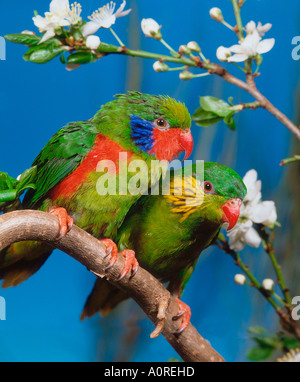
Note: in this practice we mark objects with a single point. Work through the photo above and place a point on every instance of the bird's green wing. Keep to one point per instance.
(178, 283)
(60, 157)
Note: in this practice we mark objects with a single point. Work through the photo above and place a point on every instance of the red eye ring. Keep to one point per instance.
(208, 186)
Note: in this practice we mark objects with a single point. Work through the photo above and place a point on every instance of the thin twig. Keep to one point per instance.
(213, 69)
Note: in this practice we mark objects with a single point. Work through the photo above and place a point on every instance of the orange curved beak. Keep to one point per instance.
(231, 211)
(187, 142)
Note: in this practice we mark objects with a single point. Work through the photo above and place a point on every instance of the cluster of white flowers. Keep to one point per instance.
(253, 211)
(104, 18)
(251, 46)
(63, 15)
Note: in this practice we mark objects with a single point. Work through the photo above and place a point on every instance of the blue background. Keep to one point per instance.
(42, 321)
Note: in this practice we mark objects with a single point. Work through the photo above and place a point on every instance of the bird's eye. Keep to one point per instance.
(208, 187)
(161, 124)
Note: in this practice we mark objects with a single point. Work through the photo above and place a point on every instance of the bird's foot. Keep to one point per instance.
(65, 221)
(131, 262)
(112, 250)
(184, 313)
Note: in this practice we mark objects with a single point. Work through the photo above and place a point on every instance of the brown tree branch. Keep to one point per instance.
(143, 287)
(250, 88)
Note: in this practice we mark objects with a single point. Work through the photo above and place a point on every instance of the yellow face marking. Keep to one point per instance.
(186, 196)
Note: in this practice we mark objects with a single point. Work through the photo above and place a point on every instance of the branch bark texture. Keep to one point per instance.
(143, 287)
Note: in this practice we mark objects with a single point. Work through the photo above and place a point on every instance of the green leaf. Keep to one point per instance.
(205, 118)
(291, 343)
(229, 121)
(44, 52)
(257, 330)
(63, 59)
(26, 39)
(215, 105)
(230, 101)
(268, 342)
(260, 354)
(84, 57)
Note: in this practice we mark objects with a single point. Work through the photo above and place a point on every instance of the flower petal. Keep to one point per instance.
(90, 28)
(252, 238)
(120, 13)
(59, 6)
(237, 58)
(47, 35)
(253, 187)
(262, 212)
(262, 29)
(235, 49)
(272, 218)
(250, 27)
(265, 45)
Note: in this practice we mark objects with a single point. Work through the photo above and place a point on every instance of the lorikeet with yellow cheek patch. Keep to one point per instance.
(143, 127)
(168, 232)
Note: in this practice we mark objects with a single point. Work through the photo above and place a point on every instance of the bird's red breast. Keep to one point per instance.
(104, 149)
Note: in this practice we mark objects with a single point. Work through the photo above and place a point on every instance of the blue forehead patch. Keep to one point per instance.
(141, 132)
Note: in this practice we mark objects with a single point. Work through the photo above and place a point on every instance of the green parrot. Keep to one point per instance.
(169, 231)
(71, 167)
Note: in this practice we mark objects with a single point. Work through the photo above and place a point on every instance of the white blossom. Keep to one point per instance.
(250, 27)
(194, 46)
(104, 18)
(252, 45)
(159, 66)
(74, 13)
(253, 211)
(239, 279)
(216, 14)
(262, 29)
(223, 53)
(60, 15)
(151, 28)
(93, 42)
(185, 75)
(268, 284)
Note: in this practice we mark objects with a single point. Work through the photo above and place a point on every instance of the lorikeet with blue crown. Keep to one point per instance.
(142, 126)
(168, 232)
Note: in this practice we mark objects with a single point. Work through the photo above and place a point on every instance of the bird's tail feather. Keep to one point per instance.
(103, 298)
(21, 260)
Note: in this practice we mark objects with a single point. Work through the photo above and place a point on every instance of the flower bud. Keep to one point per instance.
(28, 32)
(183, 49)
(151, 28)
(258, 59)
(239, 279)
(268, 284)
(93, 42)
(216, 14)
(194, 47)
(223, 53)
(186, 75)
(159, 66)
